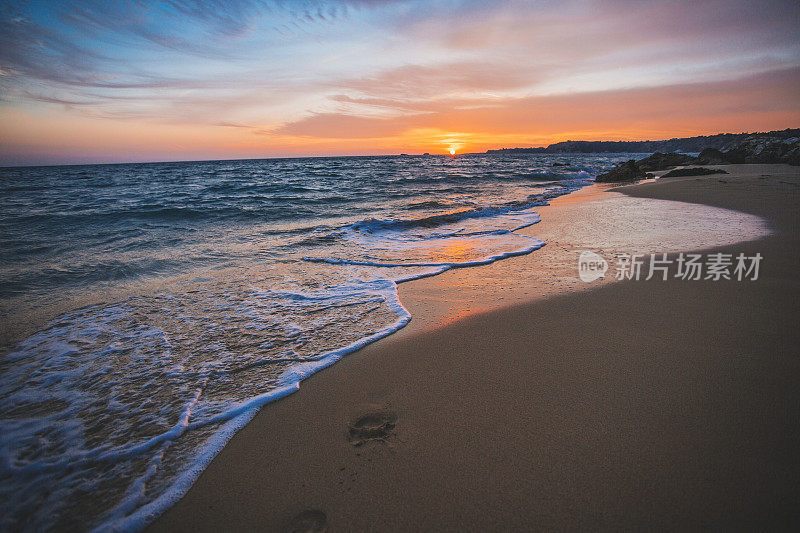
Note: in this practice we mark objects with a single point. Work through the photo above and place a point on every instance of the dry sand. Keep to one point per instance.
(637, 404)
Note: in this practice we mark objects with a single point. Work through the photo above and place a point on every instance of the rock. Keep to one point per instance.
(736, 156)
(757, 149)
(659, 161)
(627, 171)
(694, 171)
(711, 156)
(792, 155)
(769, 153)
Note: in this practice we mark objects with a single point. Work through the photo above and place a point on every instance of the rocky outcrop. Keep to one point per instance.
(659, 161)
(769, 151)
(627, 171)
(756, 149)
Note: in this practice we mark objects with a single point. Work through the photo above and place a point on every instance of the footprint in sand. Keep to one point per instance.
(309, 521)
(377, 426)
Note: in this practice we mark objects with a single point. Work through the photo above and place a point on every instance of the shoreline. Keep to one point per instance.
(599, 217)
(231, 473)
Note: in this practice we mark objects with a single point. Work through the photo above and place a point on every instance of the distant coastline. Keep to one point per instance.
(721, 141)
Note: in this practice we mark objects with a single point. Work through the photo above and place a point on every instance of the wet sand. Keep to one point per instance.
(627, 405)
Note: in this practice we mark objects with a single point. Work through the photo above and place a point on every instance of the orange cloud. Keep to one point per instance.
(759, 102)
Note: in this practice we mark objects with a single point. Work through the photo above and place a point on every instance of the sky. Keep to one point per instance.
(135, 80)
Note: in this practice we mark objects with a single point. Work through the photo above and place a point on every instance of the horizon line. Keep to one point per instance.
(402, 154)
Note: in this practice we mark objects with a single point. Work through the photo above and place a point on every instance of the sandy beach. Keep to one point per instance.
(547, 405)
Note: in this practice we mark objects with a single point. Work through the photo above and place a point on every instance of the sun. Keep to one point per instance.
(452, 151)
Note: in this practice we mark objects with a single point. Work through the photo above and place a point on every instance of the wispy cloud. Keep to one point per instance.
(679, 106)
(420, 82)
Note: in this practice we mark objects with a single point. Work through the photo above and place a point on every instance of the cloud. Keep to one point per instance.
(342, 126)
(421, 82)
(393, 106)
(67, 102)
(726, 104)
(226, 124)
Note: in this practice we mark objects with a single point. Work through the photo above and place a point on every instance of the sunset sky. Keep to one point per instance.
(117, 81)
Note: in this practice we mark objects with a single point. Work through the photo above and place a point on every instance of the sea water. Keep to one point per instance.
(181, 297)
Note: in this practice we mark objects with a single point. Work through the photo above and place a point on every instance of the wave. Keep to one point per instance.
(535, 244)
(138, 396)
(19, 281)
(428, 204)
(169, 214)
(490, 176)
(373, 225)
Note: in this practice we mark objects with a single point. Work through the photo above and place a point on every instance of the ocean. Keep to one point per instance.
(162, 304)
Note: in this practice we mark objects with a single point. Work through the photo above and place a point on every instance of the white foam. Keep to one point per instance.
(238, 416)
